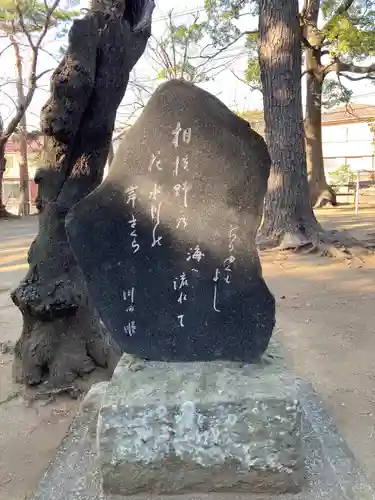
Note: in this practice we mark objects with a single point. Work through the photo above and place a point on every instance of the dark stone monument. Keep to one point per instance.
(166, 243)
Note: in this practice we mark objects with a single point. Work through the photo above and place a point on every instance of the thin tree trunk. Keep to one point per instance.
(4, 214)
(3, 211)
(320, 192)
(288, 216)
(63, 337)
(24, 203)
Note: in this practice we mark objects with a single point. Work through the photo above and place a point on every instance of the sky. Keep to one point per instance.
(226, 85)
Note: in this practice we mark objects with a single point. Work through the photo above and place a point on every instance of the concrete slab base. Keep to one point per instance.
(330, 468)
(202, 427)
(330, 471)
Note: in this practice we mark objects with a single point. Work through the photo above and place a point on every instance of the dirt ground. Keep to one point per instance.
(325, 321)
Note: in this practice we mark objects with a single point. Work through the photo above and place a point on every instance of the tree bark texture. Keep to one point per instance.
(288, 215)
(320, 192)
(62, 336)
(24, 202)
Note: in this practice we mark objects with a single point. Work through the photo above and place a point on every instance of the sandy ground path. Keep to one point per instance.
(325, 320)
(29, 433)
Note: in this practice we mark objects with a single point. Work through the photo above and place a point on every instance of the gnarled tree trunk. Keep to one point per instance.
(288, 216)
(62, 335)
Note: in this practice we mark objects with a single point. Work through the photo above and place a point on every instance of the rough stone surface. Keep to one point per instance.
(166, 243)
(171, 428)
(330, 468)
(92, 402)
(94, 397)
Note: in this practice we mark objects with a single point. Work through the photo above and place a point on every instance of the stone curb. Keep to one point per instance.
(339, 462)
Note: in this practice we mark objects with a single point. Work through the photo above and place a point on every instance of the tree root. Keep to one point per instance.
(327, 196)
(58, 352)
(336, 244)
(340, 245)
(10, 397)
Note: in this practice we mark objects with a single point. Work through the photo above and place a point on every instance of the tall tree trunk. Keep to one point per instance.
(62, 336)
(24, 203)
(3, 211)
(4, 214)
(288, 220)
(320, 192)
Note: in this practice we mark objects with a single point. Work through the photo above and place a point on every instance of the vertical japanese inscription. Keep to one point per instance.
(186, 135)
(131, 194)
(155, 214)
(181, 167)
(229, 261)
(129, 295)
(155, 162)
(215, 279)
(180, 286)
(181, 189)
(129, 299)
(155, 165)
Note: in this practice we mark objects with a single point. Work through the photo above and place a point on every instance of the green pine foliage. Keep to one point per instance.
(345, 35)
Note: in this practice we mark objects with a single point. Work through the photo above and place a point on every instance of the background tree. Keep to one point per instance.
(175, 53)
(288, 216)
(347, 37)
(184, 51)
(335, 34)
(343, 175)
(24, 23)
(62, 337)
(289, 220)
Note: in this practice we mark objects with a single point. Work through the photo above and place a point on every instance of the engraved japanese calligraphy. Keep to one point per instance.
(155, 214)
(229, 261)
(166, 242)
(129, 299)
(181, 285)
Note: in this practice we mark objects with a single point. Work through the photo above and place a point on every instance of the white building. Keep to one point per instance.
(348, 137)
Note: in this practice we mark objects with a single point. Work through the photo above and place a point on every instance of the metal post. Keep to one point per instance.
(357, 194)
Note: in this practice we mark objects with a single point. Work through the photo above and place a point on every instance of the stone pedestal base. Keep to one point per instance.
(174, 428)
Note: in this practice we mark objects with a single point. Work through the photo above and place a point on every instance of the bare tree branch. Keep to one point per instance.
(304, 9)
(218, 52)
(32, 78)
(24, 30)
(6, 48)
(359, 78)
(41, 49)
(338, 66)
(341, 9)
(252, 87)
(10, 98)
(43, 73)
